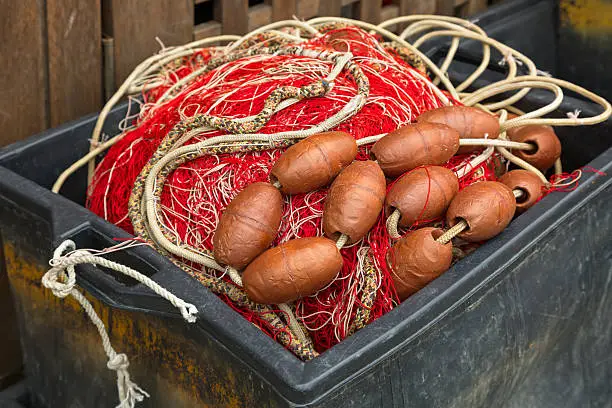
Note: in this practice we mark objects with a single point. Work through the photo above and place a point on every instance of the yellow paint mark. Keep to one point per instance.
(588, 15)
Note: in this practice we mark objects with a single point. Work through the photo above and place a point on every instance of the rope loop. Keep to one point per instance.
(60, 286)
(61, 278)
(189, 312)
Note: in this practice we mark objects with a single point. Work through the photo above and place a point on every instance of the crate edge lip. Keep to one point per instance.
(9, 151)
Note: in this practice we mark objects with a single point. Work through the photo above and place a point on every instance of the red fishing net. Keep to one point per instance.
(196, 193)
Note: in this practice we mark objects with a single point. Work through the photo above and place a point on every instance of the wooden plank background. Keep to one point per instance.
(75, 59)
(134, 24)
(56, 70)
(23, 89)
(282, 9)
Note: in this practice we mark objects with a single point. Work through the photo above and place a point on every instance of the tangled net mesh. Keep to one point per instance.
(197, 192)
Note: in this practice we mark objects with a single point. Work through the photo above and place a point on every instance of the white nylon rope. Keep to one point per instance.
(537, 81)
(509, 56)
(134, 76)
(434, 23)
(514, 159)
(139, 84)
(470, 99)
(61, 280)
(144, 68)
(356, 103)
(458, 28)
(463, 142)
(475, 162)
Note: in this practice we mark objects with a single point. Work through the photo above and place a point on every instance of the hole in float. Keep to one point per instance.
(437, 233)
(335, 236)
(457, 220)
(274, 181)
(533, 150)
(524, 197)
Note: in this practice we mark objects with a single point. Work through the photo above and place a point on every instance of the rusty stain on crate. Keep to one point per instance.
(587, 16)
(174, 370)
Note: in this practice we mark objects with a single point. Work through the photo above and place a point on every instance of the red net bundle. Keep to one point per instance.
(197, 192)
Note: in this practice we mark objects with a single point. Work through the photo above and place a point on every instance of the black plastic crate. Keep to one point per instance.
(528, 26)
(512, 324)
(523, 321)
(19, 396)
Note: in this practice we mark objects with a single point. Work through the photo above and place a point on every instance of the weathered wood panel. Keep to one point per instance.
(308, 8)
(370, 10)
(206, 30)
(134, 24)
(75, 58)
(283, 9)
(52, 49)
(475, 6)
(407, 7)
(389, 12)
(233, 15)
(23, 81)
(445, 7)
(330, 7)
(259, 16)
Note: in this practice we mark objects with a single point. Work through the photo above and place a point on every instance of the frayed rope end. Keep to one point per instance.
(574, 114)
(129, 392)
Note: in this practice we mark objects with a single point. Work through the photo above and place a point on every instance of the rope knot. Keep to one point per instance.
(118, 362)
(61, 286)
(61, 280)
